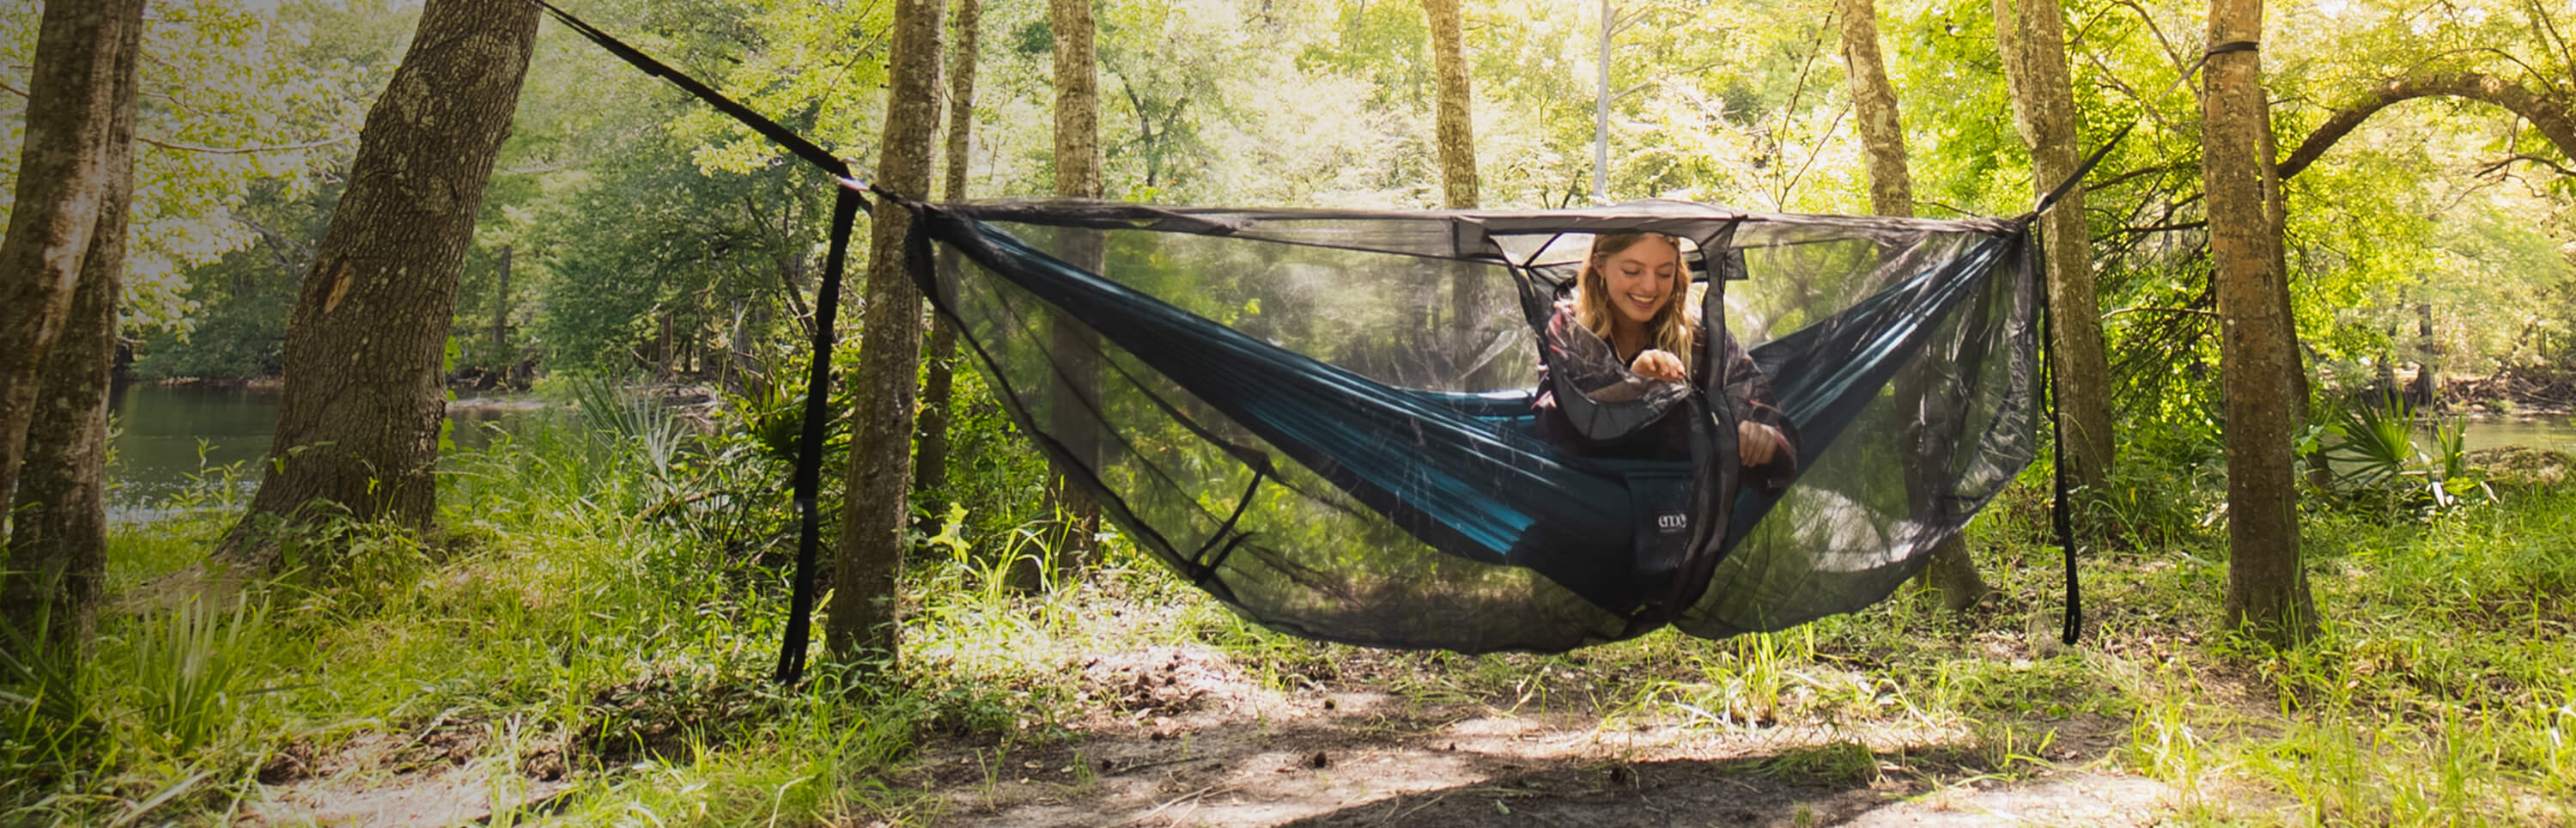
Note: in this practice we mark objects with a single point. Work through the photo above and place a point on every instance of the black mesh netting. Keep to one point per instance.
(1325, 418)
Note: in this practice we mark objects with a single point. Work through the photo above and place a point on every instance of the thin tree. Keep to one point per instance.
(930, 453)
(1454, 123)
(357, 428)
(2031, 35)
(63, 173)
(862, 625)
(1454, 134)
(1951, 576)
(1075, 394)
(1882, 133)
(2267, 591)
(57, 546)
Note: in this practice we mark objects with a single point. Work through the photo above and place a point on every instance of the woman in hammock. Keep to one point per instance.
(1632, 322)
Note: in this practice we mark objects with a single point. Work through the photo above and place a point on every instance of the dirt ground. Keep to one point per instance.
(1183, 738)
(437, 776)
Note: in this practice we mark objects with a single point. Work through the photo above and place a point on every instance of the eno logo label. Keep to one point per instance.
(1674, 522)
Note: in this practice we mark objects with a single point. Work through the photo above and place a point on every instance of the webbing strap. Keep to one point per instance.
(846, 207)
(2060, 522)
(2086, 168)
(809, 445)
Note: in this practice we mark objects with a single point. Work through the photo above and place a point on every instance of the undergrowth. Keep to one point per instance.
(601, 613)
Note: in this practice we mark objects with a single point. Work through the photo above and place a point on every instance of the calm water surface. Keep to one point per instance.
(174, 439)
(178, 438)
(2553, 433)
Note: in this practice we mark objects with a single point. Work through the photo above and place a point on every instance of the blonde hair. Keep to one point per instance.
(1675, 327)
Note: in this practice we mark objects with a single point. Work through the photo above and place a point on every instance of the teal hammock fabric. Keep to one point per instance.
(1377, 480)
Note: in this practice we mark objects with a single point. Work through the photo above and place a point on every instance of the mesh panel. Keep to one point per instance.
(1323, 417)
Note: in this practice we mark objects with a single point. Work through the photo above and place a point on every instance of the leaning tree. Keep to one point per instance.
(357, 429)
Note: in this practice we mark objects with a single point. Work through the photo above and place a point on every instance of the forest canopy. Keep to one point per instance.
(646, 232)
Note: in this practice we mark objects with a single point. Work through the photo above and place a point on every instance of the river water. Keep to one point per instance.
(185, 439)
(178, 439)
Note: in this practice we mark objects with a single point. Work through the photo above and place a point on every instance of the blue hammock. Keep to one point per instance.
(1453, 525)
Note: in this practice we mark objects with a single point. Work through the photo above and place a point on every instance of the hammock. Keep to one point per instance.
(1323, 417)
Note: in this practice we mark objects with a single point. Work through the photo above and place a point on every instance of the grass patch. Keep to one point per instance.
(602, 612)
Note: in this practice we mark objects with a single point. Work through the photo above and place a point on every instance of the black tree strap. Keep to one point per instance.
(2060, 522)
(2086, 168)
(809, 445)
(846, 207)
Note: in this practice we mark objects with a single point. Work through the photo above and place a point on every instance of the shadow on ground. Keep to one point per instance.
(1204, 748)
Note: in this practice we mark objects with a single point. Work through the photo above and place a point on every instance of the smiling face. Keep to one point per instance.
(1641, 278)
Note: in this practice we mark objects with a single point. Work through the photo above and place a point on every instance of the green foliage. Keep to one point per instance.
(191, 669)
(49, 715)
(2384, 464)
(651, 243)
(237, 328)
(235, 95)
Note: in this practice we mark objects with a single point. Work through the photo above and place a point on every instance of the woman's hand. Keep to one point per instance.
(1659, 365)
(1756, 443)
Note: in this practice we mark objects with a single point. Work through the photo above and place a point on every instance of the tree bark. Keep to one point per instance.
(2554, 114)
(63, 176)
(1076, 349)
(57, 551)
(2267, 593)
(2032, 37)
(1454, 123)
(930, 454)
(357, 429)
(1454, 135)
(1882, 134)
(863, 622)
(1951, 575)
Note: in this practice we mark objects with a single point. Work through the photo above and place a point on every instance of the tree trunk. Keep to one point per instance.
(1455, 135)
(2427, 392)
(1882, 135)
(1076, 349)
(930, 455)
(2266, 591)
(2032, 38)
(2316, 470)
(1456, 127)
(863, 622)
(357, 428)
(1951, 576)
(62, 176)
(57, 548)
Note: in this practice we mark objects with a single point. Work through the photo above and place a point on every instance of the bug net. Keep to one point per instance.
(1328, 419)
